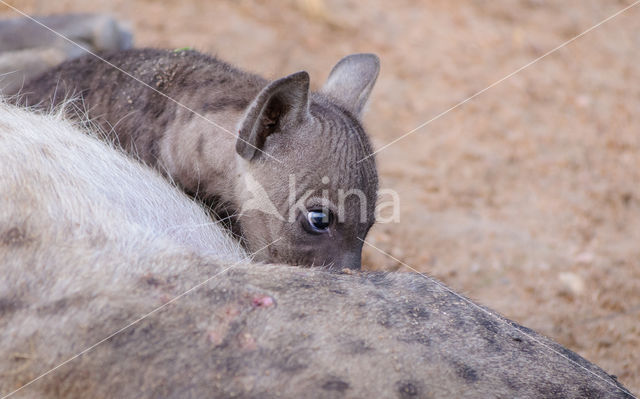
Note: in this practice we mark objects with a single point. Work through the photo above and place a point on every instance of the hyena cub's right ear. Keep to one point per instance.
(351, 81)
(283, 101)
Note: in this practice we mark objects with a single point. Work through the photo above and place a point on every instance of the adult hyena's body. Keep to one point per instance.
(90, 241)
(263, 131)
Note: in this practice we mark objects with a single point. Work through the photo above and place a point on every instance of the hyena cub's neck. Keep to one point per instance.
(198, 148)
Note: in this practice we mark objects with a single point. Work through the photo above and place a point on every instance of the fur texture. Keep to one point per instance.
(270, 133)
(90, 241)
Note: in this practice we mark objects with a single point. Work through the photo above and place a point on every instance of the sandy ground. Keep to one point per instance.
(526, 198)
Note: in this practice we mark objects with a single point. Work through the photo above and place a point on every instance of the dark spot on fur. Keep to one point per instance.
(335, 384)
(55, 307)
(551, 390)
(140, 337)
(8, 306)
(416, 337)
(298, 282)
(524, 329)
(489, 329)
(152, 281)
(14, 237)
(356, 346)
(421, 286)
(62, 305)
(407, 389)
(231, 364)
(591, 392)
(488, 323)
(293, 362)
(574, 357)
(379, 279)
(417, 311)
(511, 383)
(465, 372)
(338, 291)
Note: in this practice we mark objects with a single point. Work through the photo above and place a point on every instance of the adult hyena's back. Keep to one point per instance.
(55, 177)
(86, 249)
(130, 93)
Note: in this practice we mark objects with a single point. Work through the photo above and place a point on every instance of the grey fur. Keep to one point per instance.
(313, 135)
(288, 96)
(85, 250)
(351, 81)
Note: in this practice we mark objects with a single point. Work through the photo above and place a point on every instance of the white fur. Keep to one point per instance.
(51, 171)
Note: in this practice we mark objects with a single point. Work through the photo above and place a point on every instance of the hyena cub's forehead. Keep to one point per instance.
(346, 147)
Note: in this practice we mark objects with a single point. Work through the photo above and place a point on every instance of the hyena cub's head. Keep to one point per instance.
(308, 182)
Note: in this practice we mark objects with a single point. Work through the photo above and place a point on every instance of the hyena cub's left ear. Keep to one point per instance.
(283, 101)
(351, 81)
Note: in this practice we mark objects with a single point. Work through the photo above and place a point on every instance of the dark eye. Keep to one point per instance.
(319, 220)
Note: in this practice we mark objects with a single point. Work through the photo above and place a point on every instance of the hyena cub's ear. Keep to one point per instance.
(283, 101)
(351, 81)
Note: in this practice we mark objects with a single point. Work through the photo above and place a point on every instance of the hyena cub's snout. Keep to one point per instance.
(315, 237)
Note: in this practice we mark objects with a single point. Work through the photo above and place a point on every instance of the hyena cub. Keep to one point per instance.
(286, 162)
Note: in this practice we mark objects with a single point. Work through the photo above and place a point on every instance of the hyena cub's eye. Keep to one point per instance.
(318, 220)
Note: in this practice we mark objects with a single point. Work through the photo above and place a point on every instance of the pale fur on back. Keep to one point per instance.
(46, 156)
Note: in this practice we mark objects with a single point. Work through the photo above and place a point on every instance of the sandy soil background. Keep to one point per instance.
(527, 198)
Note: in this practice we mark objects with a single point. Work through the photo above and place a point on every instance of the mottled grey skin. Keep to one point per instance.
(313, 135)
(81, 258)
(28, 49)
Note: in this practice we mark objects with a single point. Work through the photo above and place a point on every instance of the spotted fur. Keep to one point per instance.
(91, 241)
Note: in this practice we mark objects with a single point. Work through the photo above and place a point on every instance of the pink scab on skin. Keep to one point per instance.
(263, 301)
